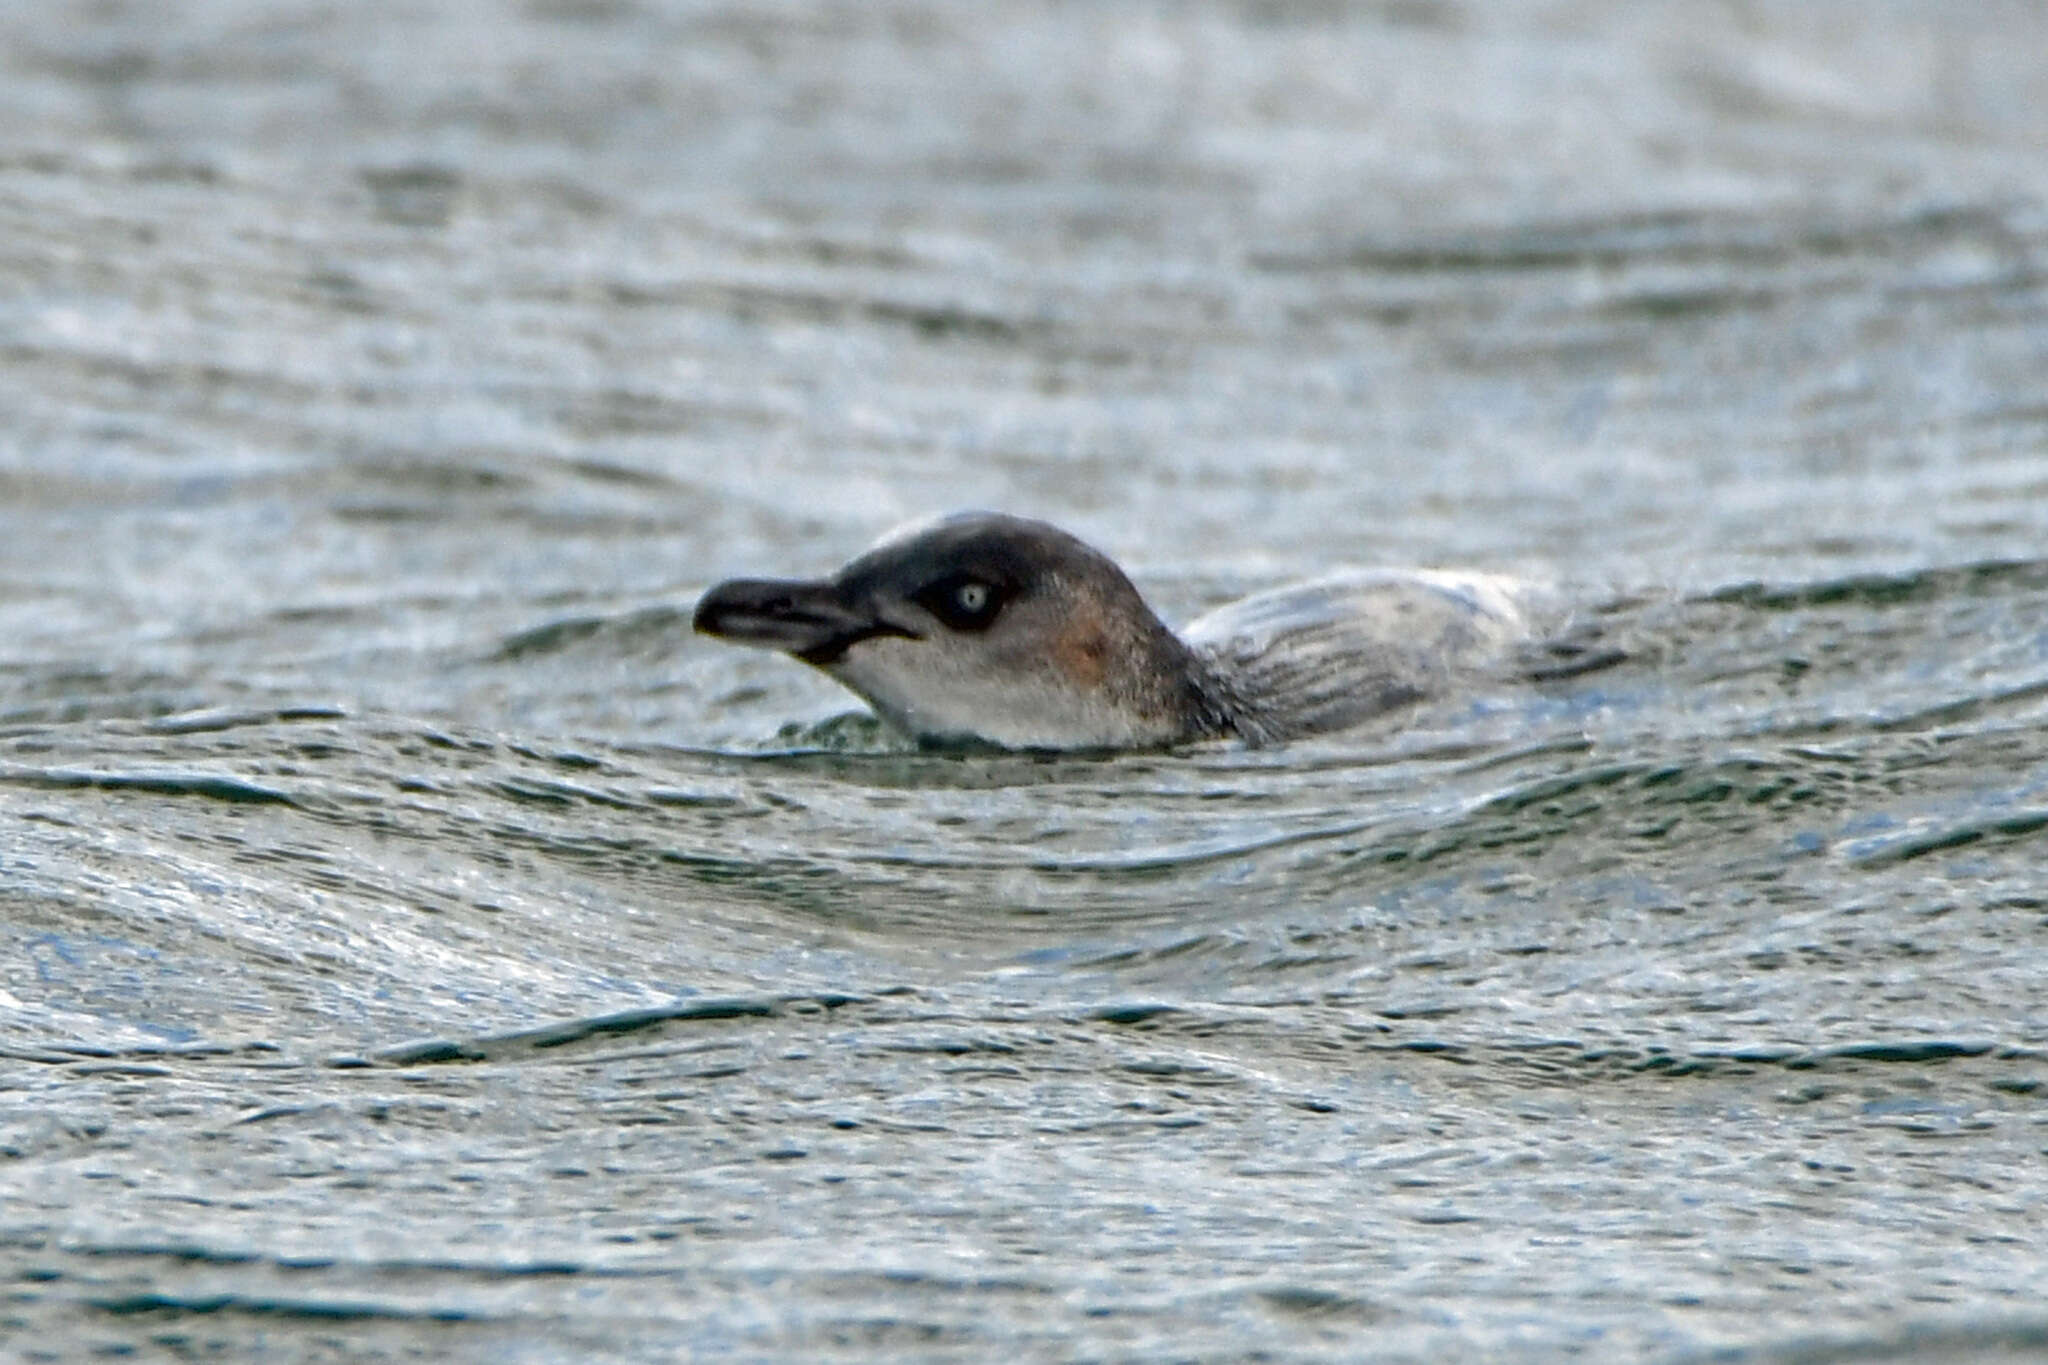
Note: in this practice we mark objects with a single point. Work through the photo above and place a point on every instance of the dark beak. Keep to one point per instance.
(809, 620)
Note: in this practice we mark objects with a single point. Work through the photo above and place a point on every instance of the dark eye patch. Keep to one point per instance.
(963, 602)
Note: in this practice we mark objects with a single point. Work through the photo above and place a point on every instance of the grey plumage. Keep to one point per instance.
(992, 628)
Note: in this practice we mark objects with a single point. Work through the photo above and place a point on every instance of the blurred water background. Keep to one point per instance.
(417, 945)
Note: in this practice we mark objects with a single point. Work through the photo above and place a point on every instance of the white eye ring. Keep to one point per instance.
(971, 598)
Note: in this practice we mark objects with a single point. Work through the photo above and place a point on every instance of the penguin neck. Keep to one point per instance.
(1204, 701)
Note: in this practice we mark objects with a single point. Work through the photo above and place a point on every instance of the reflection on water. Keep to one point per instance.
(417, 940)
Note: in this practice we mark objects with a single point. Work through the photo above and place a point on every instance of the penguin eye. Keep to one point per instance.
(962, 603)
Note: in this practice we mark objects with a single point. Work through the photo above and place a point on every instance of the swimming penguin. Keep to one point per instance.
(981, 627)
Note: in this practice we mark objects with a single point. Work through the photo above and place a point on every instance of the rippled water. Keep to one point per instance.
(418, 944)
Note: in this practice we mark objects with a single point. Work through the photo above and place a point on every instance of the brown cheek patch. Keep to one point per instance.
(1082, 649)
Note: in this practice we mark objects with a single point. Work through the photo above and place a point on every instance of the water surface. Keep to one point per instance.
(417, 943)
